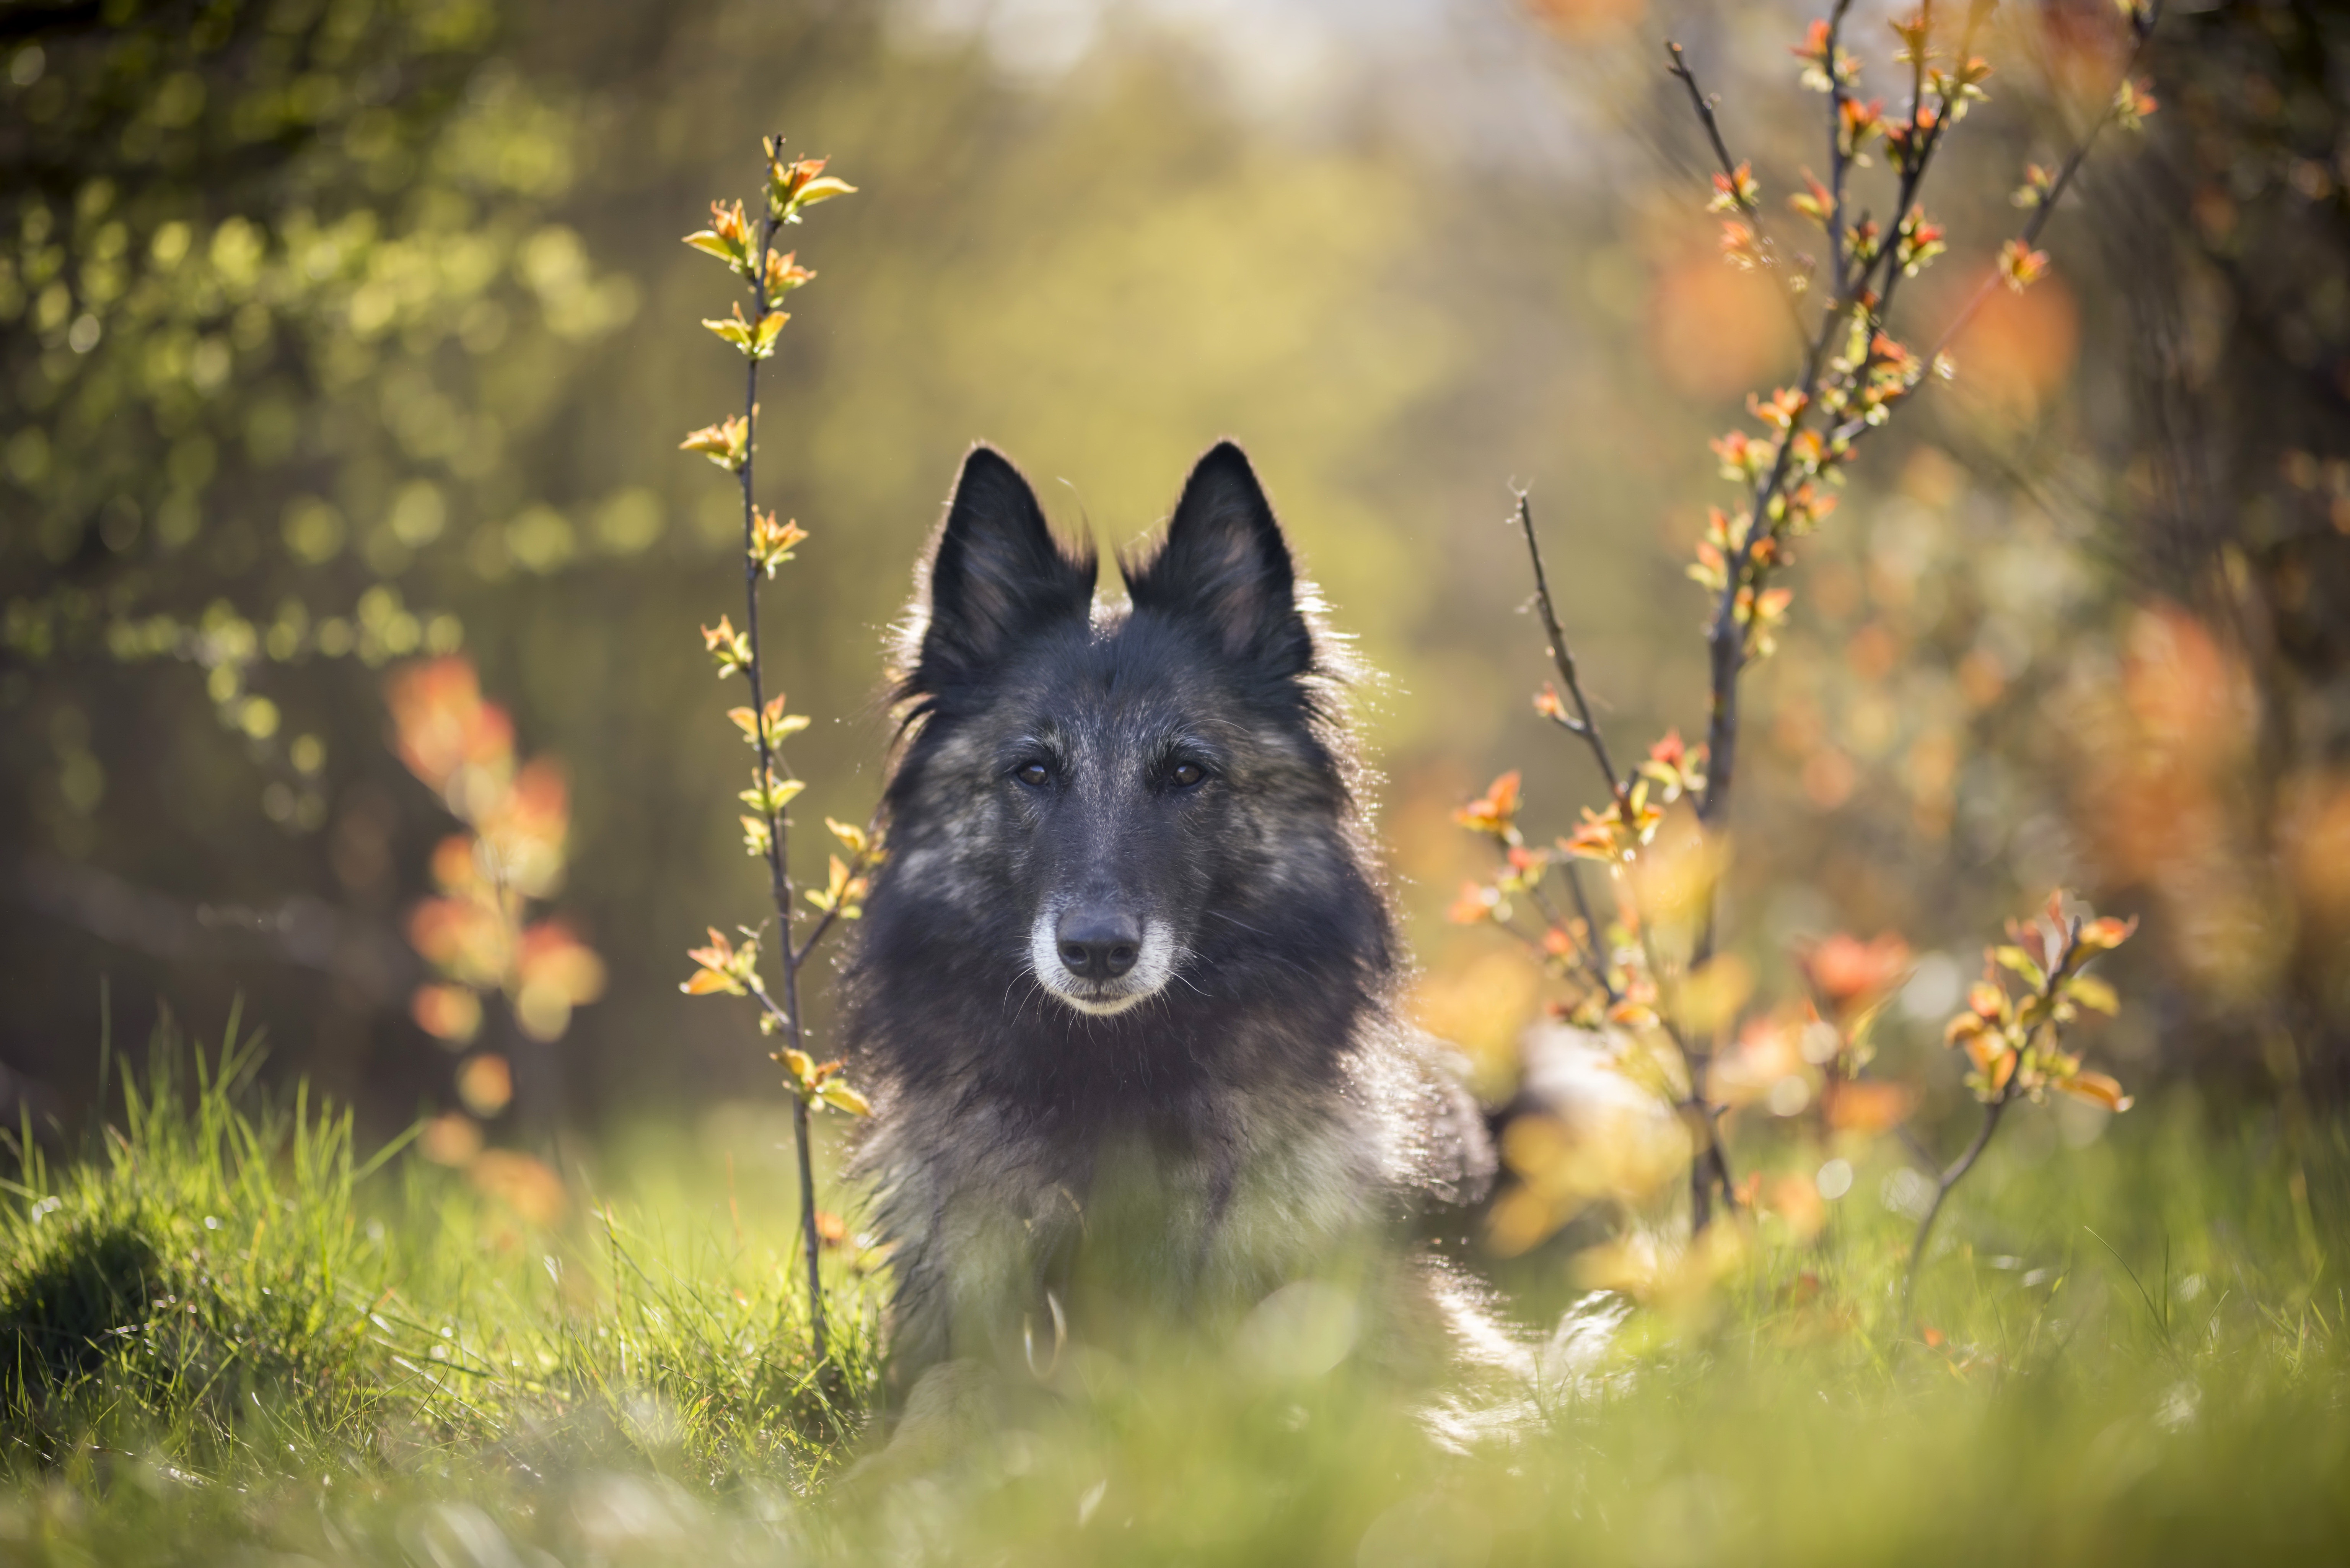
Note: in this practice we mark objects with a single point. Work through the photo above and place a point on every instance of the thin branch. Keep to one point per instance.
(1596, 957)
(1581, 724)
(1879, 299)
(1774, 260)
(1727, 637)
(778, 826)
(1712, 1162)
(1590, 959)
(862, 862)
(778, 864)
(1866, 281)
(1994, 1109)
(1562, 658)
(1839, 166)
(1918, 60)
(2045, 207)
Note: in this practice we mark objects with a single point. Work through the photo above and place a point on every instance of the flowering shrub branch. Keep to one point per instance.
(476, 931)
(1640, 974)
(2016, 1042)
(722, 968)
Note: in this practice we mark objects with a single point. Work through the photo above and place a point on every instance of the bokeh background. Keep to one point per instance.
(342, 333)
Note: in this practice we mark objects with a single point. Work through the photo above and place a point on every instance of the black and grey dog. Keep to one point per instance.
(1126, 986)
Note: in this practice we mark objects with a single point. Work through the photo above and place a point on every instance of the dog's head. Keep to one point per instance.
(1115, 801)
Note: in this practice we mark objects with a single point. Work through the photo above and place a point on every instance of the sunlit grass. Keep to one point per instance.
(228, 1337)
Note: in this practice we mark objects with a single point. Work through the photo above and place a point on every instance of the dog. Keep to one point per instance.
(1125, 988)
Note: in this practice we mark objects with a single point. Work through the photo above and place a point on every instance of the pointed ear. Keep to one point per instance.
(995, 578)
(1226, 567)
(1228, 570)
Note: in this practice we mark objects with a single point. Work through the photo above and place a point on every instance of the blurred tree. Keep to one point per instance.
(267, 257)
(289, 407)
(2226, 782)
(283, 303)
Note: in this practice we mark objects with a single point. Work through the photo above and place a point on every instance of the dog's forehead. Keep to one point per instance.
(1117, 678)
(1124, 685)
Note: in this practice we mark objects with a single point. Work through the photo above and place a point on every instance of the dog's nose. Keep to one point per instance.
(1097, 943)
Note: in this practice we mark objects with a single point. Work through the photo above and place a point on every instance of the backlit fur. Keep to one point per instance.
(1244, 1107)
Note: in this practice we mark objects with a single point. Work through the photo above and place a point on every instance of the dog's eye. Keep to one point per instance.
(1036, 775)
(1183, 775)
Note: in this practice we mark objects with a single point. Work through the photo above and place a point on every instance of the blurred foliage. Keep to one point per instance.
(1104, 282)
(2230, 255)
(2074, 632)
(335, 342)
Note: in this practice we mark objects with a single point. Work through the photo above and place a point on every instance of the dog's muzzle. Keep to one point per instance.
(1098, 958)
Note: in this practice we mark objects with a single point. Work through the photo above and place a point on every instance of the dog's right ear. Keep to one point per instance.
(996, 576)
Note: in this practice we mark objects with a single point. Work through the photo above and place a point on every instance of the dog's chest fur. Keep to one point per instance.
(1194, 1212)
(1190, 1213)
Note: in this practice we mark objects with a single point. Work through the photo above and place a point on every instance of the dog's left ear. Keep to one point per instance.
(1225, 566)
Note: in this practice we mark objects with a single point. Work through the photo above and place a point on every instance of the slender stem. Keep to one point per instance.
(1918, 60)
(778, 826)
(1562, 657)
(1727, 639)
(779, 874)
(1839, 166)
(2046, 206)
(808, 1223)
(1773, 261)
(1992, 1111)
(1593, 955)
(1711, 1160)
(1726, 636)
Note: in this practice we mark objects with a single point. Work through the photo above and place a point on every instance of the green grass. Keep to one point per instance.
(229, 1338)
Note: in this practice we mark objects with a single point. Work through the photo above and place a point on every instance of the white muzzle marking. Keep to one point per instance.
(1153, 968)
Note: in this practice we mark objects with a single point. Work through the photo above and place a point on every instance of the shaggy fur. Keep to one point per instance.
(1230, 1103)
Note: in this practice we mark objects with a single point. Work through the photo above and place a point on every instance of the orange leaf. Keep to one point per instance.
(1870, 1107)
(2105, 933)
(1494, 811)
(1474, 906)
(2097, 1087)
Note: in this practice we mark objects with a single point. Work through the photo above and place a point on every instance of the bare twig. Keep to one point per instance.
(1597, 957)
(1562, 658)
(1711, 1161)
(1992, 1110)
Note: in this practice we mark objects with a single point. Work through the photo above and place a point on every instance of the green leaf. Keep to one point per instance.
(2022, 963)
(839, 1094)
(2094, 993)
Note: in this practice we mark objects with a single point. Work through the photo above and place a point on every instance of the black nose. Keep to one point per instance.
(1097, 943)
